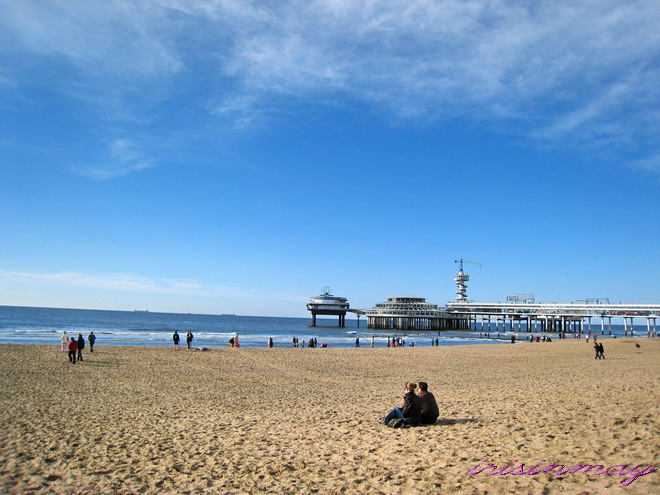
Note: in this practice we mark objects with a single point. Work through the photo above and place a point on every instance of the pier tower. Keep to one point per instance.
(460, 279)
(327, 304)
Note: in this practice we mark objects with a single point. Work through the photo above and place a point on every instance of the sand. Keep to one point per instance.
(156, 420)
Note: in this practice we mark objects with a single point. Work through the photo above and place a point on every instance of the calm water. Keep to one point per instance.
(22, 325)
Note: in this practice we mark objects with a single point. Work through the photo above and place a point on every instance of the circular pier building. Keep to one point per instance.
(327, 304)
(411, 313)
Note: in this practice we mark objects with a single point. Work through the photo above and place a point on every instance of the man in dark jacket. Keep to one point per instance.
(429, 406)
(81, 346)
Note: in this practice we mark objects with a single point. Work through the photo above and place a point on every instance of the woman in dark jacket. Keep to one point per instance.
(410, 411)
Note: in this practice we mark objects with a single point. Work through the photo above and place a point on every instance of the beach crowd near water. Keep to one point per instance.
(74, 345)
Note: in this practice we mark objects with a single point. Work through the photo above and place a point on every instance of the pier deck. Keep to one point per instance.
(559, 317)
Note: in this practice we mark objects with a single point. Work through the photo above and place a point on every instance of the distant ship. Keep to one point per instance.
(227, 314)
(141, 310)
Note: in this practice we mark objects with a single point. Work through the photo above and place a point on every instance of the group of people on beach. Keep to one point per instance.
(416, 410)
(74, 346)
(176, 339)
(539, 338)
(297, 343)
(233, 342)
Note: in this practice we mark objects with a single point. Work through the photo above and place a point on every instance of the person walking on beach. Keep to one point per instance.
(175, 339)
(270, 342)
(189, 338)
(429, 407)
(73, 348)
(411, 409)
(92, 339)
(81, 346)
(357, 342)
(600, 351)
(373, 341)
(65, 342)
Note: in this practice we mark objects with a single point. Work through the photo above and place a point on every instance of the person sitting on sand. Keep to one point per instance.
(429, 407)
(410, 411)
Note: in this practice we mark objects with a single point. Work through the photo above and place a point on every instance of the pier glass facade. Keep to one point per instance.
(412, 313)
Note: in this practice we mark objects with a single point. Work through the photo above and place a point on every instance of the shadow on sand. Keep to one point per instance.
(102, 364)
(447, 421)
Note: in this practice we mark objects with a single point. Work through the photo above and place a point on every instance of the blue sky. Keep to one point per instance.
(236, 157)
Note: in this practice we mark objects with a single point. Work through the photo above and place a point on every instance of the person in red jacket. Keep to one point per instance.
(73, 348)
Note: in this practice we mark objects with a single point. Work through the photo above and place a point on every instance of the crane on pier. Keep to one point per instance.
(461, 261)
(460, 279)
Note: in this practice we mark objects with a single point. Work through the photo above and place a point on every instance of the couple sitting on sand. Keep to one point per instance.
(416, 410)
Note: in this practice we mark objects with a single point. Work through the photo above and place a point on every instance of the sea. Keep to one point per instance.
(27, 325)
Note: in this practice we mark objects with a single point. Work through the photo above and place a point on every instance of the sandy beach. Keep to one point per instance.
(156, 420)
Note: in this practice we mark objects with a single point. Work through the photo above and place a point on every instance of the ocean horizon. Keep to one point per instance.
(36, 325)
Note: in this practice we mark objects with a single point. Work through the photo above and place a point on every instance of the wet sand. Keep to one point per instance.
(156, 420)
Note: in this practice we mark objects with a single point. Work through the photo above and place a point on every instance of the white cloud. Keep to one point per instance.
(124, 158)
(115, 37)
(118, 282)
(584, 71)
(650, 164)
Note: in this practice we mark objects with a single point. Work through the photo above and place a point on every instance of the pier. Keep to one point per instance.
(523, 312)
(519, 314)
(554, 317)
